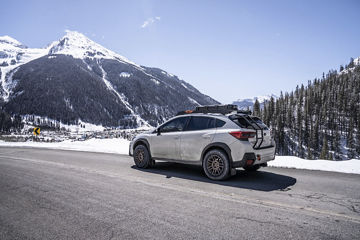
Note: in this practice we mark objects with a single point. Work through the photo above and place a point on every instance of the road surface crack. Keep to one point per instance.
(259, 221)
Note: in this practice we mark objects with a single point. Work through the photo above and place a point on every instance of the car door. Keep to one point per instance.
(165, 143)
(198, 133)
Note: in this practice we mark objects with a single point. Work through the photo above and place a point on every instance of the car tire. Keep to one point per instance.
(216, 165)
(252, 168)
(142, 157)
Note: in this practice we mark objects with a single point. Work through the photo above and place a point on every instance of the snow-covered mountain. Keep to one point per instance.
(12, 55)
(248, 103)
(78, 46)
(75, 78)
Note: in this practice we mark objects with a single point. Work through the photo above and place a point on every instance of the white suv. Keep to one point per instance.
(219, 138)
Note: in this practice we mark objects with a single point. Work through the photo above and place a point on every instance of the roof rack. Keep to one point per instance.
(246, 112)
(222, 109)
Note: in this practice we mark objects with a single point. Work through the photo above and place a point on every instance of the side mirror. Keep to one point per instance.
(158, 131)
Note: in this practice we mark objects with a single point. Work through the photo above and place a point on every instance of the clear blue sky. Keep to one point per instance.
(226, 49)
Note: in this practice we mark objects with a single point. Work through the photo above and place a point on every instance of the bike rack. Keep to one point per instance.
(256, 129)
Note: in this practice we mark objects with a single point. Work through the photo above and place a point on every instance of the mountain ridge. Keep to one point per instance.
(74, 73)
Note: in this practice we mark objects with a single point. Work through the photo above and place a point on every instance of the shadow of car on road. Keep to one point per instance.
(260, 180)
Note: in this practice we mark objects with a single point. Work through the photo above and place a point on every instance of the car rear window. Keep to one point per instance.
(248, 122)
(260, 123)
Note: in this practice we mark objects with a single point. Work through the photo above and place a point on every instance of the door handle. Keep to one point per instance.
(206, 136)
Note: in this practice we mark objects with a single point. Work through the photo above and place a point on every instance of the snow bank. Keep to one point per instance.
(346, 166)
(115, 145)
(121, 146)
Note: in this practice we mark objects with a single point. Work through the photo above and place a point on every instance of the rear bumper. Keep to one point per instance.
(264, 155)
(258, 157)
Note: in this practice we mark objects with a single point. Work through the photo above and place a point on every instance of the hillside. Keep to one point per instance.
(320, 120)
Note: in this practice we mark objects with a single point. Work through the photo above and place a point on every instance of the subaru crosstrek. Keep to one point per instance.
(219, 138)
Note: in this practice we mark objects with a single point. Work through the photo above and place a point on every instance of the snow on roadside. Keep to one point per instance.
(121, 146)
(115, 145)
(345, 166)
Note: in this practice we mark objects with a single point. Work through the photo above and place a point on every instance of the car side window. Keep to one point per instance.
(200, 123)
(175, 125)
(219, 123)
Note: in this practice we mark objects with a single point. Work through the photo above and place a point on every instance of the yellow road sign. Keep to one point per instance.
(36, 131)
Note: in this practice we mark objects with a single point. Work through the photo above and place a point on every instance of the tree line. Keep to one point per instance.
(320, 120)
(9, 123)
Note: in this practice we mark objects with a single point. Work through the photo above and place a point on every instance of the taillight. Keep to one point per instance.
(242, 134)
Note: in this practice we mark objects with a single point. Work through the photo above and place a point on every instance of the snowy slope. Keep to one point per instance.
(13, 54)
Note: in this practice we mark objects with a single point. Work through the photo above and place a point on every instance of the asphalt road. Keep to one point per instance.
(53, 194)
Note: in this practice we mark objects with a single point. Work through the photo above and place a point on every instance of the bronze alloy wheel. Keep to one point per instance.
(140, 155)
(215, 165)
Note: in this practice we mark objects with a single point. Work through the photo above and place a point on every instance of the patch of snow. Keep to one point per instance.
(87, 65)
(9, 84)
(356, 62)
(184, 85)
(68, 104)
(155, 81)
(10, 40)
(168, 74)
(88, 127)
(345, 166)
(125, 74)
(50, 57)
(194, 101)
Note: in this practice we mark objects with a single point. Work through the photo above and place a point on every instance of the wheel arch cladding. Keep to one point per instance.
(220, 146)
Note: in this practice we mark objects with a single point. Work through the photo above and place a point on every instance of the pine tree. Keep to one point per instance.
(325, 150)
(350, 140)
(256, 108)
(337, 150)
(309, 152)
(351, 64)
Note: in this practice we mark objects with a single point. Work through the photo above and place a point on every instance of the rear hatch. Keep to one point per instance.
(263, 136)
